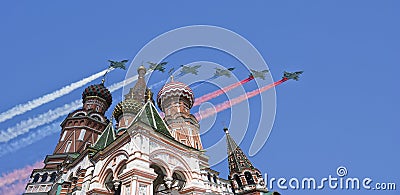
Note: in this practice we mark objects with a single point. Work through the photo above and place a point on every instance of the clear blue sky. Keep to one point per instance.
(343, 112)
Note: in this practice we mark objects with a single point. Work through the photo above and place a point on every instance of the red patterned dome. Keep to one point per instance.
(98, 91)
(173, 90)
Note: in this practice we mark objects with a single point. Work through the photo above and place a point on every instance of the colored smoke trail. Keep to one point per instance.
(22, 108)
(219, 92)
(229, 103)
(52, 115)
(15, 181)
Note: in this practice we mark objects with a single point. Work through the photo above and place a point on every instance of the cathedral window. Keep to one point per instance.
(249, 178)
(190, 131)
(63, 136)
(128, 190)
(215, 179)
(238, 181)
(82, 134)
(68, 146)
(88, 144)
(142, 189)
(36, 178)
(44, 177)
(53, 176)
(96, 117)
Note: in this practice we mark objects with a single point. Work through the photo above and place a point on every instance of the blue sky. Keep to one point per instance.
(343, 111)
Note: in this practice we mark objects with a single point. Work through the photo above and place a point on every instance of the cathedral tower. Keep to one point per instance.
(79, 131)
(82, 127)
(244, 177)
(176, 99)
(126, 111)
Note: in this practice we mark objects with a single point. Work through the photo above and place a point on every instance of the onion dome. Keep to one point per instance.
(98, 91)
(174, 90)
(127, 106)
(141, 68)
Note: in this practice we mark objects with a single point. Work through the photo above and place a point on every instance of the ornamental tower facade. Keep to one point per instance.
(244, 177)
(82, 127)
(126, 111)
(79, 132)
(145, 154)
(176, 99)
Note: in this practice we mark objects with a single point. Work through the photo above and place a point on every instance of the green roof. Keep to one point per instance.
(106, 138)
(149, 116)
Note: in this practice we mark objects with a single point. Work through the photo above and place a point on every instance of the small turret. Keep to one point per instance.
(244, 177)
(176, 99)
(126, 110)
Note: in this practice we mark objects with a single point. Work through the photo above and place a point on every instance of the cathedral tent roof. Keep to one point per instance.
(238, 161)
(149, 116)
(106, 138)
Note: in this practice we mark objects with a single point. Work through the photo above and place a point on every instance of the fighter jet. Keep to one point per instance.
(292, 75)
(116, 64)
(189, 69)
(159, 67)
(258, 74)
(171, 71)
(221, 72)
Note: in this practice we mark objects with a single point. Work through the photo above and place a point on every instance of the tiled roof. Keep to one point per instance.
(106, 138)
(149, 116)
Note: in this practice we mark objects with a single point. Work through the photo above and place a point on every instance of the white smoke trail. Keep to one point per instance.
(22, 108)
(34, 122)
(33, 137)
(51, 115)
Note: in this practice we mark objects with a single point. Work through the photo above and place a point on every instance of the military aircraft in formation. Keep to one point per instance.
(159, 66)
(189, 69)
(221, 72)
(258, 74)
(292, 75)
(116, 64)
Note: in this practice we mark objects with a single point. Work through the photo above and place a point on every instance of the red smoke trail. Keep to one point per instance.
(229, 103)
(219, 92)
(15, 181)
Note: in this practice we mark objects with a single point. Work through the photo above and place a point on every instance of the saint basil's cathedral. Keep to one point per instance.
(143, 154)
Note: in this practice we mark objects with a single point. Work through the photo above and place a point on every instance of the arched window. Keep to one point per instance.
(159, 186)
(36, 178)
(209, 177)
(53, 176)
(178, 181)
(215, 179)
(111, 185)
(249, 178)
(44, 177)
(79, 114)
(96, 117)
(122, 168)
(238, 181)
